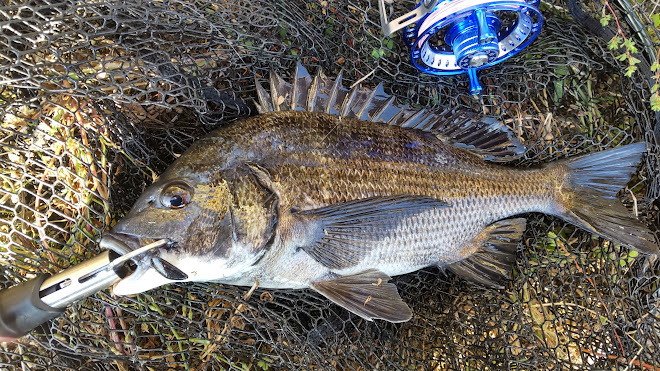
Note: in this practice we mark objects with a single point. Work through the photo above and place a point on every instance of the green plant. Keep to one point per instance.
(620, 40)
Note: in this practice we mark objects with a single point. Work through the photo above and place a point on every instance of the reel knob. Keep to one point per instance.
(474, 41)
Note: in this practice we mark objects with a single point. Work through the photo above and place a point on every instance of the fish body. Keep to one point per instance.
(311, 161)
(317, 192)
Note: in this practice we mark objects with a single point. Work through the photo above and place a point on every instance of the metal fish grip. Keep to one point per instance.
(449, 37)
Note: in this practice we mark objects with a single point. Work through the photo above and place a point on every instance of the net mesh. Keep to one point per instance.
(97, 97)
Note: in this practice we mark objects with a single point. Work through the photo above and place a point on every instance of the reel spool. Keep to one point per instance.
(450, 37)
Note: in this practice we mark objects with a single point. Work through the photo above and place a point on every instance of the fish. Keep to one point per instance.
(338, 190)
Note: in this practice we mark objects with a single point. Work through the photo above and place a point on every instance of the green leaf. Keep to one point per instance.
(656, 20)
(655, 102)
(654, 88)
(630, 70)
(655, 66)
(621, 57)
(630, 45)
(375, 54)
(613, 43)
(605, 20)
(263, 365)
(633, 61)
(200, 341)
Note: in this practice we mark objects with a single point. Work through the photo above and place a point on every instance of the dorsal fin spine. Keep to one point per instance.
(363, 114)
(313, 92)
(301, 89)
(348, 102)
(264, 104)
(388, 103)
(413, 120)
(333, 95)
(295, 88)
(274, 91)
(398, 115)
(486, 136)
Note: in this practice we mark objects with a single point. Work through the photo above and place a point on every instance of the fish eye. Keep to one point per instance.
(175, 196)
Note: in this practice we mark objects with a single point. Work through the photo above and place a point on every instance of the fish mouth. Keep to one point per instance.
(121, 243)
(146, 263)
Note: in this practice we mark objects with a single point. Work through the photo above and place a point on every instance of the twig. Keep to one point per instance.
(641, 348)
(24, 366)
(616, 19)
(221, 338)
(248, 294)
(600, 298)
(634, 202)
(559, 303)
(645, 366)
(363, 78)
(113, 334)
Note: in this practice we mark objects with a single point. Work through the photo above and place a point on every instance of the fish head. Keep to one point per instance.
(199, 209)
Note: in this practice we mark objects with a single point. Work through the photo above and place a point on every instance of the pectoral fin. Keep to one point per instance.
(341, 234)
(367, 294)
(491, 253)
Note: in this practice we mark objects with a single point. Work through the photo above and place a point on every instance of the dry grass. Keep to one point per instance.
(55, 183)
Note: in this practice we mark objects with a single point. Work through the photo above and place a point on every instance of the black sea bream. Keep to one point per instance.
(339, 190)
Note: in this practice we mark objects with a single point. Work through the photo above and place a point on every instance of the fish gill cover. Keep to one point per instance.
(97, 98)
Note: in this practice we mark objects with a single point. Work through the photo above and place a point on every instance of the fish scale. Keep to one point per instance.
(366, 178)
(478, 193)
(306, 195)
(432, 238)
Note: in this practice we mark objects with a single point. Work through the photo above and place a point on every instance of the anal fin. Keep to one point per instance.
(367, 294)
(494, 252)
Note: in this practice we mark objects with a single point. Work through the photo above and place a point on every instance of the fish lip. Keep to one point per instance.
(121, 243)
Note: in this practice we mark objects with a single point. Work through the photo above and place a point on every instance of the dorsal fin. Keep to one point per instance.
(484, 135)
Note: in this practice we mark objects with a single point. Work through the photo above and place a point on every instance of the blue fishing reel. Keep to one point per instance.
(450, 37)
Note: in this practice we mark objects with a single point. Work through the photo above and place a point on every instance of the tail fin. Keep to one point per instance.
(594, 181)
